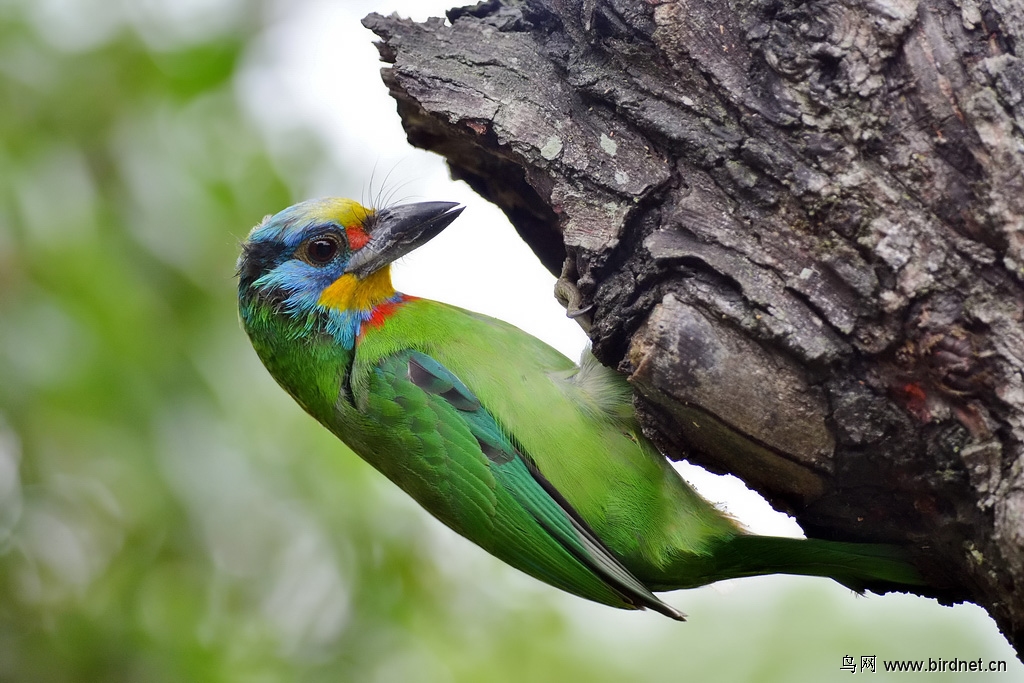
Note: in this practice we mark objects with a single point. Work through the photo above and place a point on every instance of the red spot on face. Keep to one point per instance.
(357, 237)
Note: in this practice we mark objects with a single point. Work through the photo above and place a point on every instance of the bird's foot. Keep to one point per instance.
(569, 296)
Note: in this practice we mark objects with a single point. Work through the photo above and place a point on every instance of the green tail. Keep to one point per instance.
(858, 566)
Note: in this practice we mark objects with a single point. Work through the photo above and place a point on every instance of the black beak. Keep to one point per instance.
(397, 230)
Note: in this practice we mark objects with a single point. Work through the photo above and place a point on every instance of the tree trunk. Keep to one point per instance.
(796, 226)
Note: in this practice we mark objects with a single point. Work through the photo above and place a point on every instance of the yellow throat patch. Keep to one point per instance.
(349, 293)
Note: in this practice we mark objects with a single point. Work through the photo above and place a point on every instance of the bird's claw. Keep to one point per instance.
(569, 296)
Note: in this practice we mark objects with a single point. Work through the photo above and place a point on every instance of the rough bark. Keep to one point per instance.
(799, 226)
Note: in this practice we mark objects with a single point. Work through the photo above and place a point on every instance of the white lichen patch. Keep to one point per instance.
(608, 145)
(552, 148)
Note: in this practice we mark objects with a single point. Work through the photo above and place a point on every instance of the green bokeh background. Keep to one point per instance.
(168, 514)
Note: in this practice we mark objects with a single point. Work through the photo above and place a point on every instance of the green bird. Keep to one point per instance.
(505, 440)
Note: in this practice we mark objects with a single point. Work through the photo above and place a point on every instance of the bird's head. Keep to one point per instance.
(333, 255)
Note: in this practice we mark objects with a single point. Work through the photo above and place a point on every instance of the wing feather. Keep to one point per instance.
(519, 477)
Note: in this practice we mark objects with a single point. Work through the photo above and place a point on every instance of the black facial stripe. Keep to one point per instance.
(258, 258)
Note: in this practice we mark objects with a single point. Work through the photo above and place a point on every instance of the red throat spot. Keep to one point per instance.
(357, 237)
(381, 312)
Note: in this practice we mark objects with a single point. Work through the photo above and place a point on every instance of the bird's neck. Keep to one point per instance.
(310, 366)
(353, 305)
(344, 311)
(351, 293)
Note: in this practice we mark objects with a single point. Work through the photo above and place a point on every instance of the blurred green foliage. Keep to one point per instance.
(166, 513)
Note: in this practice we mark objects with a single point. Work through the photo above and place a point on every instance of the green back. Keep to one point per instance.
(577, 427)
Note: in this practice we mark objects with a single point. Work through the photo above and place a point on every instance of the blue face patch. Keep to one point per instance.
(301, 282)
(269, 262)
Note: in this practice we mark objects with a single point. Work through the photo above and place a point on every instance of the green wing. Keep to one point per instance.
(457, 463)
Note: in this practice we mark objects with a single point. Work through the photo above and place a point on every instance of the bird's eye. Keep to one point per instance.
(320, 250)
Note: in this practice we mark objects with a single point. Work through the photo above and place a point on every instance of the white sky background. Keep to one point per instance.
(317, 68)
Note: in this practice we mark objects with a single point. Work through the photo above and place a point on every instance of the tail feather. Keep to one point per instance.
(858, 566)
